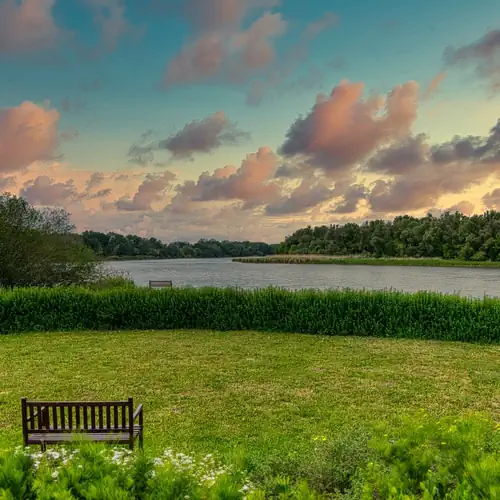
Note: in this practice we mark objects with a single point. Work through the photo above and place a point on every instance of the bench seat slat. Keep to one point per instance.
(109, 437)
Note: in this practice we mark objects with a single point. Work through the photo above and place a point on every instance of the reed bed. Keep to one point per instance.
(362, 313)
(364, 261)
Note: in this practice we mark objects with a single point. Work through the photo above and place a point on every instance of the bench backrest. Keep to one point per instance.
(77, 416)
(160, 284)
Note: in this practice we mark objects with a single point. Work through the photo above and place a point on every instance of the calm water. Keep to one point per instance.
(223, 273)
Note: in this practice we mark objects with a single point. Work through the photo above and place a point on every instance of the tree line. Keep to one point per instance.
(448, 236)
(39, 247)
(117, 246)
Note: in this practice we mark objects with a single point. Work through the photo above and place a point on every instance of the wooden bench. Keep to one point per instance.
(160, 284)
(55, 422)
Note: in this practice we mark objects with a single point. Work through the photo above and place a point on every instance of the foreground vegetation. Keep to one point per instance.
(426, 458)
(273, 407)
(375, 314)
(364, 261)
(449, 236)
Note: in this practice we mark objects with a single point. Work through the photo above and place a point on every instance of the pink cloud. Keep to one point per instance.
(251, 183)
(254, 44)
(221, 15)
(220, 46)
(151, 190)
(27, 26)
(44, 191)
(28, 133)
(199, 60)
(110, 16)
(196, 137)
(434, 85)
(292, 58)
(343, 128)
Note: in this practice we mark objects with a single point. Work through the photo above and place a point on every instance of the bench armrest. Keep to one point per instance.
(137, 413)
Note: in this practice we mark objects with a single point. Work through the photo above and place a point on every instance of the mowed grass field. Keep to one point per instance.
(209, 391)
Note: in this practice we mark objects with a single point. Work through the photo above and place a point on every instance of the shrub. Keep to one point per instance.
(436, 459)
(39, 248)
(110, 279)
(334, 463)
(377, 314)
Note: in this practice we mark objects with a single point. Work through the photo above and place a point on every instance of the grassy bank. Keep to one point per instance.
(374, 314)
(363, 261)
(272, 395)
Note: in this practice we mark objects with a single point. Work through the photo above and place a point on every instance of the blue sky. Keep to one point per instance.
(382, 44)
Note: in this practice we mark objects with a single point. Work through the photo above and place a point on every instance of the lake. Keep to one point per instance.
(475, 282)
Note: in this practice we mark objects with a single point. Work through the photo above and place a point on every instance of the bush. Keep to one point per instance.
(376, 314)
(39, 248)
(109, 279)
(93, 472)
(334, 463)
(436, 459)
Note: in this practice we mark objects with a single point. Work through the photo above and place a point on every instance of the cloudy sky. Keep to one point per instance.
(246, 119)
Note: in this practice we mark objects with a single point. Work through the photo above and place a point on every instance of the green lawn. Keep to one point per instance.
(213, 391)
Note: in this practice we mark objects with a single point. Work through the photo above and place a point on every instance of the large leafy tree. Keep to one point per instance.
(39, 248)
(449, 236)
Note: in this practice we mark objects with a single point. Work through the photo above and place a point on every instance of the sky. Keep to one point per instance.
(248, 119)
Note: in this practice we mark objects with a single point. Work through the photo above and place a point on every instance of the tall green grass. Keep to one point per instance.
(364, 261)
(380, 314)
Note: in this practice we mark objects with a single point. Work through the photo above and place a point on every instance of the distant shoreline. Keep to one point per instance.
(147, 257)
(363, 261)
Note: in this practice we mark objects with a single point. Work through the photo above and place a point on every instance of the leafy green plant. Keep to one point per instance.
(429, 458)
(346, 312)
(96, 473)
(16, 478)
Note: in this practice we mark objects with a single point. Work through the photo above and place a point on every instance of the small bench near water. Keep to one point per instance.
(56, 422)
(160, 284)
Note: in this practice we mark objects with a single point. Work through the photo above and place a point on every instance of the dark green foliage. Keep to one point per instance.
(16, 478)
(449, 236)
(38, 247)
(117, 246)
(379, 314)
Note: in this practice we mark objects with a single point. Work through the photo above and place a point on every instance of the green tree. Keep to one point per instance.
(38, 247)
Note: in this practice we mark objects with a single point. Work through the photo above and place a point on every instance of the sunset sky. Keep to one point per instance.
(247, 119)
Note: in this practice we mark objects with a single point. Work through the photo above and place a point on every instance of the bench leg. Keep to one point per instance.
(43, 445)
(141, 440)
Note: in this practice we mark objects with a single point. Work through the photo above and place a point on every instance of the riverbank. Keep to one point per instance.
(363, 261)
(149, 257)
